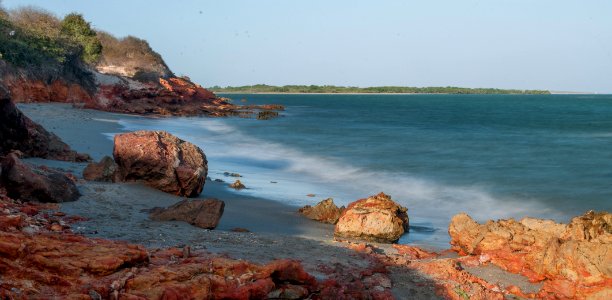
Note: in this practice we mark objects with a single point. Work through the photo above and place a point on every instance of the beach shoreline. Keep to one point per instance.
(89, 131)
(119, 212)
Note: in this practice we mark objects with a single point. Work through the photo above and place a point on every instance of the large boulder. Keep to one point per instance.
(162, 161)
(576, 256)
(325, 211)
(105, 170)
(202, 213)
(18, 132)
(41, 185)
(377, 218)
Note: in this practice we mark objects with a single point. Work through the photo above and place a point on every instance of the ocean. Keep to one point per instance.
(491, 156)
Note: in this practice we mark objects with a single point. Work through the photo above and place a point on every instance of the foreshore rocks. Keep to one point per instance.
(18, 132)
(325, 211)
(161, 161)
(201, 213)
(574, 259)
(105, 170)
(45, 264)
(377, 218)
(29, 184)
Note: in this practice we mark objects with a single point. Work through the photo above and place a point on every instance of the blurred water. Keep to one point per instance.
(492, 156)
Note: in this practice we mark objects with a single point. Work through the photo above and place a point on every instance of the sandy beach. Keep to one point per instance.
(119, 211)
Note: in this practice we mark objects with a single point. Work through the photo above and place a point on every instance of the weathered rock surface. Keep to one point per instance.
(202, 213)
(325, 211)
(28, 184)
(574, 259)
(18, 132)
(37, 263)
(105, 170)
(377, 218)
(162, 161)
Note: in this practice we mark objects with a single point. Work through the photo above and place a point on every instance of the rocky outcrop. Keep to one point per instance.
(18, 132)
(162, 161)
(170, 96)
(201, 213)
(325, 211)
(377, 218)
(105, 170)
(41, 185)
(573, 259)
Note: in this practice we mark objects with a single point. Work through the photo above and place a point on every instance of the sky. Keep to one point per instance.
(525, 44)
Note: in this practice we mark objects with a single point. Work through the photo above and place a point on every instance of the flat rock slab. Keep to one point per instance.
(202, 213)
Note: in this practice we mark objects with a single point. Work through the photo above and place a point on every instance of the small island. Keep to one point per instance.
(332, 89)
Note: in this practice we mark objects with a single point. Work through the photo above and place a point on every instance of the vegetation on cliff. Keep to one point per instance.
(131, 56)
(307, 89)
(42, 44)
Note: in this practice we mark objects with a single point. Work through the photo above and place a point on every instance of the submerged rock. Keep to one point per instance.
(105, 170)
(162, 161)
(377, 218)
(232, 174)
(267, 115)
(325, 211)
(237, 185)
(575, 258)
(41, 185)
(202, 213)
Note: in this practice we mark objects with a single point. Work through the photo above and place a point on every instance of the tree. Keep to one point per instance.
(78, 30)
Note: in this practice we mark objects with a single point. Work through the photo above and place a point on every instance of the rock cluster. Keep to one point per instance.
(40, 263)
(18, 132)
(161, 161)
(325, 211)
(575, 259)
(377, 218)
(202, 213)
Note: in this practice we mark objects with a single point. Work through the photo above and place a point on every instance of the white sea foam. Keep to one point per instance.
(299, 173)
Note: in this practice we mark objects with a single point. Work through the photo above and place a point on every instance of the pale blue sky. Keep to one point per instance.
(531, 44)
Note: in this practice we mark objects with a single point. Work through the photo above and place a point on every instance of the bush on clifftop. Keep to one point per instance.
(79, 31)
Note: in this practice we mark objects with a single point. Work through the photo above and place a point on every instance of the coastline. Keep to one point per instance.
(277, 93)
(88, 131)
(119, 212)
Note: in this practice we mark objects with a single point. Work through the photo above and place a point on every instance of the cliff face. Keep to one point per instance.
(116, 93)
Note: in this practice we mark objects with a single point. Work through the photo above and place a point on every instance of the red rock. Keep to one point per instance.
(413, 252)
(202, 213)
(376, 218)
(162, 161)
(18, 132)
(23, 182)
(325, 211)
(574, 258)
(105, 170)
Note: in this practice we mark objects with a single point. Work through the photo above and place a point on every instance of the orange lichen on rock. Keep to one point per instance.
(573, 259)
(414, 252)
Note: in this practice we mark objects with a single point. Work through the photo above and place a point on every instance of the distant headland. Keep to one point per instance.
(331, 89)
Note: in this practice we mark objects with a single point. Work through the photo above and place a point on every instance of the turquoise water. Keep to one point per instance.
(492, 156)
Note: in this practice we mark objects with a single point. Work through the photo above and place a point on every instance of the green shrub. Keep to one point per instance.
(75, 28)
